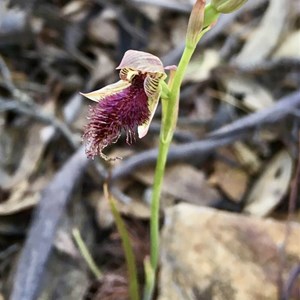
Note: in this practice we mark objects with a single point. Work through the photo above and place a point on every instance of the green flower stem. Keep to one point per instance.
(167, 131)
(148, 279)
(173, 101)
(170, 104)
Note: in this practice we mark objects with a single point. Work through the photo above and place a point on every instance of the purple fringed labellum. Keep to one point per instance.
(128, 104)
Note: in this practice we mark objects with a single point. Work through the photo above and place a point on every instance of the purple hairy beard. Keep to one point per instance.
(125, 110)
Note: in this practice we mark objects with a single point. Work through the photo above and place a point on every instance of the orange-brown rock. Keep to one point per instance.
(209, 254)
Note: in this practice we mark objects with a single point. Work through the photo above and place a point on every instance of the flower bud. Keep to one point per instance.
(211, 15)
(195, 23)
(227, 6)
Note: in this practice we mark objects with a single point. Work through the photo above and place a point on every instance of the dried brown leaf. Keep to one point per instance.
(183, 182)
(271, 186)
(265, 38)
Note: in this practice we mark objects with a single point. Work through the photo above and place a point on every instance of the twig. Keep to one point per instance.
(176, 6)
(26, 105)
(179, 135)
(280, 64)
(35, 112)
(6, 74)
(126, 25)
(16, 93)
(237, 130)
(283, 108)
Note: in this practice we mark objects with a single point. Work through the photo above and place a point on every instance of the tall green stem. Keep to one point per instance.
(167, 131)
(170, 116)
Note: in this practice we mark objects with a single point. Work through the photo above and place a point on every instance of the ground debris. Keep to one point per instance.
(235, 147)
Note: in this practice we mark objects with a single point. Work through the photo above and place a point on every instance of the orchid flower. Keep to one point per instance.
(128, 104)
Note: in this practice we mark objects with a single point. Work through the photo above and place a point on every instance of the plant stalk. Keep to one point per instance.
(168, 126)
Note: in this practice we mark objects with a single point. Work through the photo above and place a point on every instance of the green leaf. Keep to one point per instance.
(129, 255)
